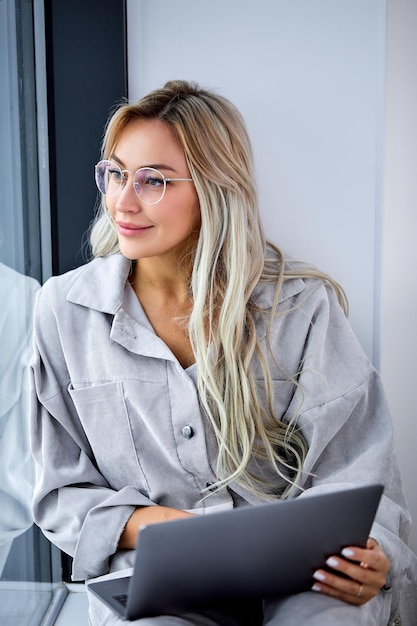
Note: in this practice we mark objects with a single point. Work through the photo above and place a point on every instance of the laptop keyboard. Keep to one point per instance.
(121, 599)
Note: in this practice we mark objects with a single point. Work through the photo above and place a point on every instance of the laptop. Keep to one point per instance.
(241, 554)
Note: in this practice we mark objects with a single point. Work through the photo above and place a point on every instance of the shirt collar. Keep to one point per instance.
(101, 286)
(263, 294)
(101, 283)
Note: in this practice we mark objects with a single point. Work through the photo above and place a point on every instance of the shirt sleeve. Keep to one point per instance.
(345, 419)
(73, 504)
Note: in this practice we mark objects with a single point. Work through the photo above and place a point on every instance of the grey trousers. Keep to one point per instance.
(306, 609)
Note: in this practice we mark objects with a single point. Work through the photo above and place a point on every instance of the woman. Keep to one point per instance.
(190, 367)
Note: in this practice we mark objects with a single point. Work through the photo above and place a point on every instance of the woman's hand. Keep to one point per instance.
(366, 568)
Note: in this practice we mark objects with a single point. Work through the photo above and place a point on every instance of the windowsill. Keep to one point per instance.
(24, 603)
(75, 607)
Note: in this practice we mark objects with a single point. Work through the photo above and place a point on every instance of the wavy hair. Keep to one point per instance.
(229, 260)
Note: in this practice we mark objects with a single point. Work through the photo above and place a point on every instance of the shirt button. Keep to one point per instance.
(187, 432)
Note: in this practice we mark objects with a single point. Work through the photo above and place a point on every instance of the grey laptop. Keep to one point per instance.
(249, 552)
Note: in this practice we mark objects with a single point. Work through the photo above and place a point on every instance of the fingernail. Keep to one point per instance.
(316, 588)
(319, 576)
(332, 562)
(348, 552)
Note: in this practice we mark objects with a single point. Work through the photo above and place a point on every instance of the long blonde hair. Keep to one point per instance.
(230, 258)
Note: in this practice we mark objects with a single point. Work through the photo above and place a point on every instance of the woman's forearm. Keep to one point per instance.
(147, 515)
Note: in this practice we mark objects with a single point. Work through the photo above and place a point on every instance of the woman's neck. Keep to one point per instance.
(165, 298)
(161, 280)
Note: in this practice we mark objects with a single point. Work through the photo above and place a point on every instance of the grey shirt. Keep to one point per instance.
(117, 422)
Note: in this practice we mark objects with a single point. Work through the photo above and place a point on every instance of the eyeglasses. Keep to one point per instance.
(149, 184)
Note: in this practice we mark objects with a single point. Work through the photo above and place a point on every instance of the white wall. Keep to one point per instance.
(399, 290)
(309, 78)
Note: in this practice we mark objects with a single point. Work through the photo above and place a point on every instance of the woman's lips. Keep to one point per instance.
(131, 230)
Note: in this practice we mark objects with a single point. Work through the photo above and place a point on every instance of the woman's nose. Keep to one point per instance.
(126, 199)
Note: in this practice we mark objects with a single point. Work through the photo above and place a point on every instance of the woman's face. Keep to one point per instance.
(165, 229)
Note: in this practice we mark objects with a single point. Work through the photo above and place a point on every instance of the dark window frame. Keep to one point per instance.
(86, 61)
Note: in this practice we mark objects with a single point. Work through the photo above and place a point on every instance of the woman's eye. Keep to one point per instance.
(115, 175)
(151, 181)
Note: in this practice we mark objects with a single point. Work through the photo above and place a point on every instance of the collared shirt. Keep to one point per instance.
(117, 422)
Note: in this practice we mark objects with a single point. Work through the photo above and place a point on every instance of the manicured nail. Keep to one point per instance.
(316, 588)
(319, 576)
(348, 552)
(332, 562)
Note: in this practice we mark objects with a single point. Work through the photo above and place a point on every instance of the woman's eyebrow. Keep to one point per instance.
(161, 166)
(156, 166)
(114, 157)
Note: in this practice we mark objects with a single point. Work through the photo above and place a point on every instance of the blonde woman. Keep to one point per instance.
(190, 367)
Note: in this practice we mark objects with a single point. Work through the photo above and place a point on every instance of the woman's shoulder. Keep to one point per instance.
(287, 279)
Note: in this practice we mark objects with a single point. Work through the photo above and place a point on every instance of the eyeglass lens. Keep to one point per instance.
(148, 183)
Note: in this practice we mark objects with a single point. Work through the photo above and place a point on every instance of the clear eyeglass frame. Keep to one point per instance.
(149, 184)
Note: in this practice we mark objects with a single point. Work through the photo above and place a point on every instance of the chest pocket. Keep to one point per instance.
(112, 415)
